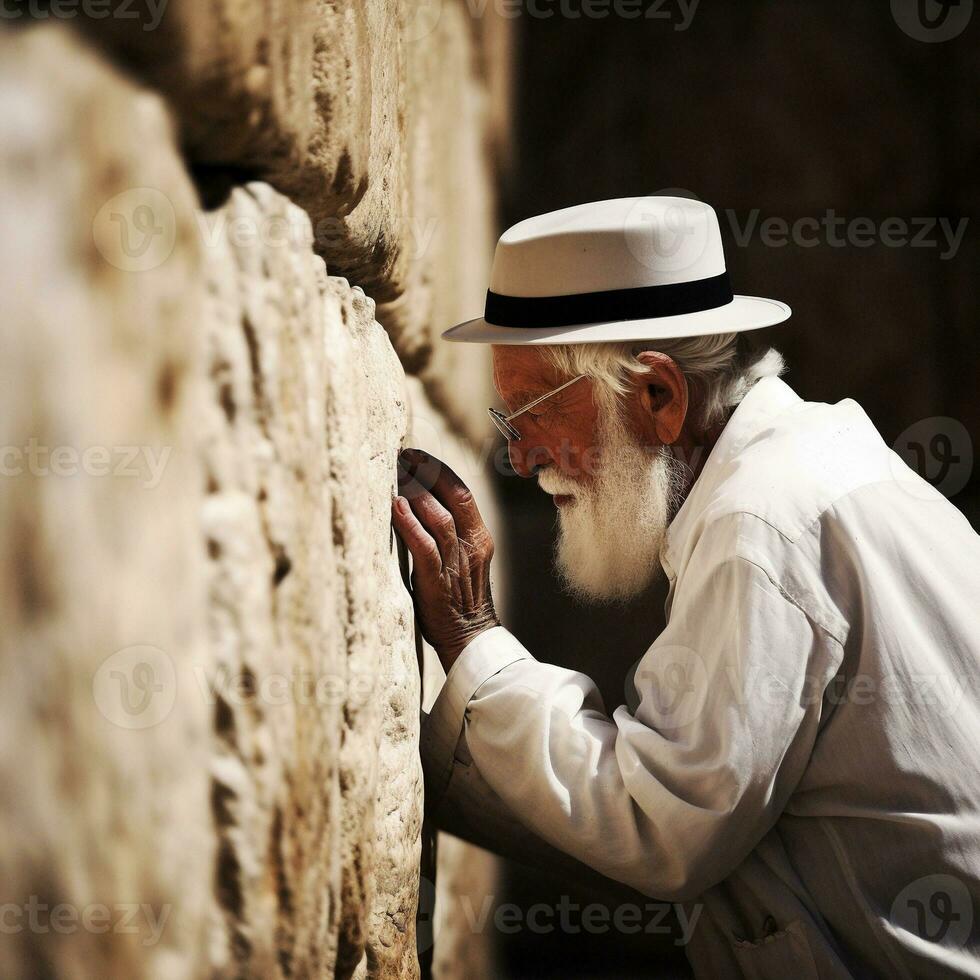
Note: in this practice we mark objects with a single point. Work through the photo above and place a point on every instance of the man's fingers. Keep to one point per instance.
(438, 522)
(419, 542)
(427, 472)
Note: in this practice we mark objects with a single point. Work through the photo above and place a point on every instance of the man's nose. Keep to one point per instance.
(526, 458)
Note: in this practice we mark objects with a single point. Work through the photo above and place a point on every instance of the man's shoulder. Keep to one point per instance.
(781, 466)
(781, 473)
(795, 466)
(806, 492)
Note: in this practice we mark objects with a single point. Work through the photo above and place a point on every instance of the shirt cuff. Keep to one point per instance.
(480, 659)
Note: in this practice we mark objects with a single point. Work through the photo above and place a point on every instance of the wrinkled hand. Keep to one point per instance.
(437, 518)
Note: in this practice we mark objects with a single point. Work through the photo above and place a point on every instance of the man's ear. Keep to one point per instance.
(663, 396)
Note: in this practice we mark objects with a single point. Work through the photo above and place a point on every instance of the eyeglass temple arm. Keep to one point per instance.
(537, 401)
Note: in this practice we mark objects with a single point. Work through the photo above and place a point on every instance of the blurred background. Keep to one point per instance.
(828, 137)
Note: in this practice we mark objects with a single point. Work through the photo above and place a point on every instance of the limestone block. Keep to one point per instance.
(381, 643)
(383, 119)
(320, 796)
(106, 847)
(273, 613)
(210, 682)
(237, 72)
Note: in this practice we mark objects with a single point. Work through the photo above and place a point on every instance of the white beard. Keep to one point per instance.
(612, 536)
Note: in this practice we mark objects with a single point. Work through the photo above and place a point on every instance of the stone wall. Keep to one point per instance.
(226, 238)
(385, 120)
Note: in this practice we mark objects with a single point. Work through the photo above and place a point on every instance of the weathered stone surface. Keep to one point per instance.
(306, 412)
(104, 751)
(243, 584)
(383, 119)
(260, 568)
(237, 72)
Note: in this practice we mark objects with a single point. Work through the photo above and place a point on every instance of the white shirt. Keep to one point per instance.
(802, 762)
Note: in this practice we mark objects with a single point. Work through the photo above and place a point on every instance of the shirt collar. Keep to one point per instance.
(768, 398)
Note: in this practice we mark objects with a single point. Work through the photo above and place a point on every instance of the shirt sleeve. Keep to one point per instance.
(670, 798)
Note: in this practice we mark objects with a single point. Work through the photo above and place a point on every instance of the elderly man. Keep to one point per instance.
(800, 768)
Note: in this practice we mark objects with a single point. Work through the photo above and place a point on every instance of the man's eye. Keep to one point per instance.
(549, 416)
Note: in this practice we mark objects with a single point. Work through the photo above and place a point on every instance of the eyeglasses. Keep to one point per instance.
(503, 422)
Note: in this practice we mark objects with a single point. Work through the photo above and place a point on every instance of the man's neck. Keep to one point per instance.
(692, 449)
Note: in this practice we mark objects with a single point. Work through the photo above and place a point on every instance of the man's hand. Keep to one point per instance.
(437, 518)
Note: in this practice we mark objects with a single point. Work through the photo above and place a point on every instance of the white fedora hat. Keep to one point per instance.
(637, 268)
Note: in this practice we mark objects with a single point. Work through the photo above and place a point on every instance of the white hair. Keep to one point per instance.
(612, 533)
(720, 369)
